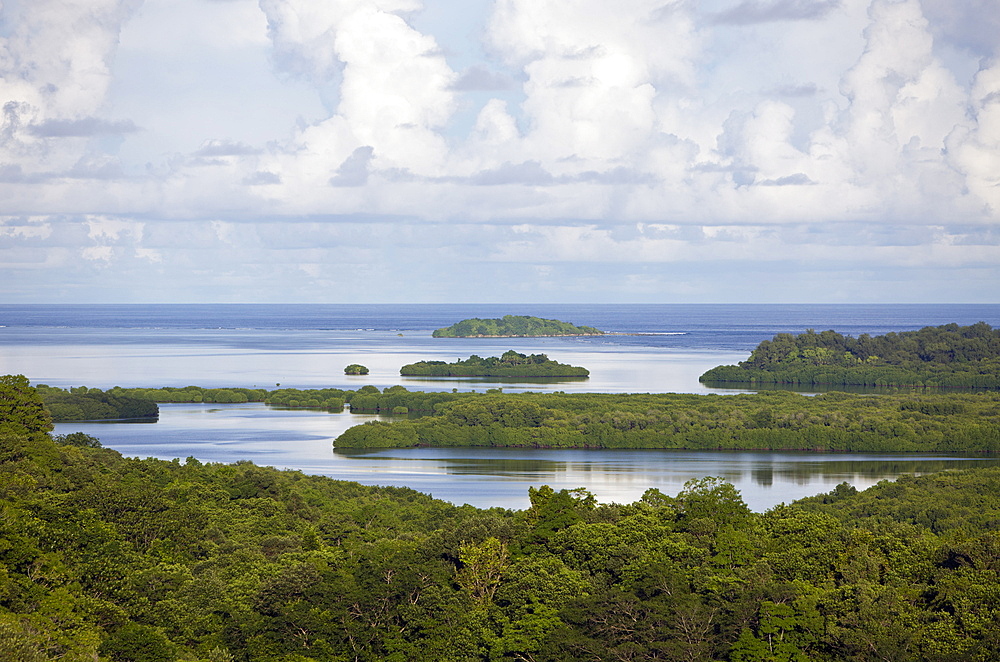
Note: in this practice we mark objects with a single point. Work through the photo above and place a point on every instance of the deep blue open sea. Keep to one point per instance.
(308, 346)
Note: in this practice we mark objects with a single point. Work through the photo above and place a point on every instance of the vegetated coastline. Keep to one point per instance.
(510, 364)
(115, 558)
(947, 356)
(772, 420)
(906, 421)
(513, 326)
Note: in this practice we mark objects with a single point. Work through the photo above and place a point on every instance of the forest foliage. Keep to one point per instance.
(517, 326)
(510, 364)
(126, 560)
(949, 356)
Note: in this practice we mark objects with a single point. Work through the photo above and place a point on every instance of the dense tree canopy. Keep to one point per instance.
(513, 326)
(942, 356)
(123, 560)
(21, 407)
(120, 559)
(93, 404)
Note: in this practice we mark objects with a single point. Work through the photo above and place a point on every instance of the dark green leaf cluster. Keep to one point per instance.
(92, 404)
(103, 557)
(21, 407)
(949, 356)
(516, 326)
(331, 399)
(775, 420)
(369, 400)
(510, 364)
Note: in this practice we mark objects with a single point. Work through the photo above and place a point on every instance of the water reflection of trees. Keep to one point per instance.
(811, 389)
(764, 470)
(805, 472)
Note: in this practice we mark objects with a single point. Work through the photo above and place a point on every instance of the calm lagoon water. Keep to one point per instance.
(308, 346)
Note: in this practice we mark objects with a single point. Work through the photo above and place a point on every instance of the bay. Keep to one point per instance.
(307, 346)
(487, 477)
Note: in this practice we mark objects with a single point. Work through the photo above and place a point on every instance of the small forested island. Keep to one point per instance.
(356, 369)
(117, 559)
(510, 364)
(513, 326)
(948, 356)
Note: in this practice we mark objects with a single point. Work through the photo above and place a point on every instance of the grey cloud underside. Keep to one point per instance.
(757, 11)
(798, 179)
(108, 171)
(226, 148)
(968, 24)
(804, 90)
(354, 170)
(82, 128)
(262, 178)
(478, 78)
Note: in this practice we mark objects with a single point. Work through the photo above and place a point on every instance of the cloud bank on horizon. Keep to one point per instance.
(500, 150)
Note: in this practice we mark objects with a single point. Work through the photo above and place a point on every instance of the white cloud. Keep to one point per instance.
(593, 74)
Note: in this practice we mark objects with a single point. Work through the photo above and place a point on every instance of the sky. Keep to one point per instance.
(500, 151)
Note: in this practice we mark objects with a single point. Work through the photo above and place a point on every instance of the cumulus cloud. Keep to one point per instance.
(395, 91)
(903, 106)
(593, 72)
(54, 77)
(975, 148)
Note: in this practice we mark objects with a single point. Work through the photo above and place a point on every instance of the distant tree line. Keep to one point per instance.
(513, 326)
(120, 559)
(949, 356)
